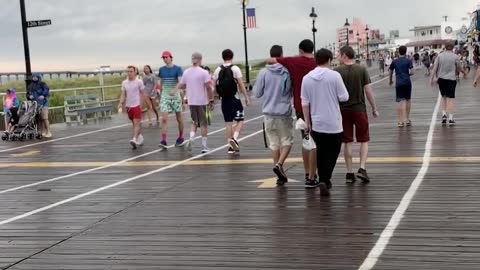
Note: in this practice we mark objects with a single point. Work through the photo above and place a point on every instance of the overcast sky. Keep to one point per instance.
(89, 33)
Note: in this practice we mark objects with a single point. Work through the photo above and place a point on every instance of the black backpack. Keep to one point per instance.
(226, 83)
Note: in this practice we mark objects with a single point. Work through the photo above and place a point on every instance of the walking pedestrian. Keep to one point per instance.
(229, 80)
(132, 96)
(298, 67)
(171, 102)
(444, 73)
(354, 112)
(403, 68)
(197, 83)
(275, 87)
(322, 90)
(150, 82)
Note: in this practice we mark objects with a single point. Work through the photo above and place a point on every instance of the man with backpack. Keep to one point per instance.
(228, 79)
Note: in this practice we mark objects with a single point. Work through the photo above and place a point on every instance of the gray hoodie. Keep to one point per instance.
(275, 86)
(322, 90)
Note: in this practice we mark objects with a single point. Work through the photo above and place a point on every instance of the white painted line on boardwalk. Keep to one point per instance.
(399, 213)
(104, 167)
(71, 199)
(72, 136)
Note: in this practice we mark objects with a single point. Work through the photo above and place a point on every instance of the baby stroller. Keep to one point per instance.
(27, 124)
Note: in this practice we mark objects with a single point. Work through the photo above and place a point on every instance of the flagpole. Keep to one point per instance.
(247, 67)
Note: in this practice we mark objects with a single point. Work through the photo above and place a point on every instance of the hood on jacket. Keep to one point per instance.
(287, 81)
(277, 68)
(318, 73)
(38, 76)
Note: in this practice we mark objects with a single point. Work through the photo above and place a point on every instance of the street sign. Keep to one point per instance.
(38, 23)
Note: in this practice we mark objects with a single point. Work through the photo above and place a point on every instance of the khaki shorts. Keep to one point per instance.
(279, 132)
(44, 114)
(199, 115)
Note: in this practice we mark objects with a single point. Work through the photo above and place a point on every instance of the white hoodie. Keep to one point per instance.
(323, 89)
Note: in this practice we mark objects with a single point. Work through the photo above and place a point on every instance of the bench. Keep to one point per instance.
(80, 109)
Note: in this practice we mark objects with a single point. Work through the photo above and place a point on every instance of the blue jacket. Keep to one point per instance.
(37, 89)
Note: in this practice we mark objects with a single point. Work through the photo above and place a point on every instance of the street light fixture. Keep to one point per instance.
(347, 24)
(358, 44)
(369, 62)
(314, 16)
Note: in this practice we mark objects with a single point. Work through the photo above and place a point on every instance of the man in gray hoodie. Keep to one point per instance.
(275, 86)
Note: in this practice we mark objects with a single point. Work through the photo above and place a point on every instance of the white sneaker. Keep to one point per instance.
(140, 140)
(189, 146)
(205, 149)
(133, 143)
(48, 135)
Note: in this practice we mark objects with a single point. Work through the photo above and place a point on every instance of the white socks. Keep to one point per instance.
(204, 141)
(235, 135)
(192, 135)
(450, 117)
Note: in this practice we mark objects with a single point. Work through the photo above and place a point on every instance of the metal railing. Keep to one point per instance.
(70, 91)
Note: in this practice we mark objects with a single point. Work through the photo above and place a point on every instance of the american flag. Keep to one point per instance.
(251, 18)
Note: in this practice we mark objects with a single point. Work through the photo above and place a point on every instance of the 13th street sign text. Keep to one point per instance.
(38, 23)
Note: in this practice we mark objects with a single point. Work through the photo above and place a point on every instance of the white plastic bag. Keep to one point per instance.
(309, 143)
(300, 124)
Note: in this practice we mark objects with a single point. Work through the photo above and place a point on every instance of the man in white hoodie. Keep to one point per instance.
(275, 86)
(322, 90)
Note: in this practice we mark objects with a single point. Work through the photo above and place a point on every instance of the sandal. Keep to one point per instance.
(400, 124)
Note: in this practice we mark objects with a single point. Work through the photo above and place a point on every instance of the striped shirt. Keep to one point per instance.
(170, 77)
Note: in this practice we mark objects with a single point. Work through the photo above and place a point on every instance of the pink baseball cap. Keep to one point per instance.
(166, 54)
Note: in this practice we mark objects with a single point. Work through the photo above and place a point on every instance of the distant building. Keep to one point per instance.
(428, 36)
(357, 36)
(394, 34)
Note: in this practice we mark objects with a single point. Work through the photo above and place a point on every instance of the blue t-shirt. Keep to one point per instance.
(170, 77)
(402, 67)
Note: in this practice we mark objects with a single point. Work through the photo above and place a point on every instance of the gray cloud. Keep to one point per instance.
(89, 33)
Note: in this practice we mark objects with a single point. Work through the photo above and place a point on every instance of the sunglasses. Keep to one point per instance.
(165, 57)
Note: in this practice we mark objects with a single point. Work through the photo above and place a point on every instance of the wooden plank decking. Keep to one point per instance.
(212, 216)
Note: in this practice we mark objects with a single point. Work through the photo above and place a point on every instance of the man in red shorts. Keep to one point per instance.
(298, 67)
(132, 97)
(354, 112)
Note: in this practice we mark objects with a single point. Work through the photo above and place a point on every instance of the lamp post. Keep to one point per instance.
(347, 24)
(369, 61)
(358, 44)
(334, 54)
(314, 16)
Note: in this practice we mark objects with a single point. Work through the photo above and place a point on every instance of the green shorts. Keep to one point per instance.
(170, 105)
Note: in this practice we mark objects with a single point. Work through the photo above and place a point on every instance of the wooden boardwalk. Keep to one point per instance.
(84, 200)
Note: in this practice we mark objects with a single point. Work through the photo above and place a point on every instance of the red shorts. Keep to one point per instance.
(134, 113)
(357, 121)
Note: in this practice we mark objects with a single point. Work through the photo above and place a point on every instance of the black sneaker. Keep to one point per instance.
(324, 191)
(311, 183)
(451, 122)
(280, 182)
(350, 178)
(282, 177)
(329, 185)
(444, 120)
(362, 175)
(230, 151)
(234, 144)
